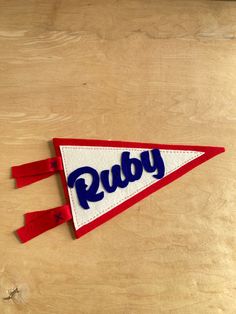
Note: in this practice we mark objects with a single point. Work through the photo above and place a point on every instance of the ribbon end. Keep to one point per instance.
(35, 171)
(40, 221)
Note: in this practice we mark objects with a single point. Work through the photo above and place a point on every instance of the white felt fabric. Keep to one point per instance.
(102, 158)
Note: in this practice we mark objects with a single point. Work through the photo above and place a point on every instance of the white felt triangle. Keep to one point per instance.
(102, 158)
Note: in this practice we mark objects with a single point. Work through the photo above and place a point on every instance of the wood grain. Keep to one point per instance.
(151, 71)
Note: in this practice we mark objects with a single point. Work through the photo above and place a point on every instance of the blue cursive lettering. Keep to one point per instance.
(131, 168)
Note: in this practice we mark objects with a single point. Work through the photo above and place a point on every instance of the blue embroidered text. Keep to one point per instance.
(131, 168)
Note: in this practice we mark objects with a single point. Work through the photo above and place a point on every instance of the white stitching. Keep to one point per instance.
(122, 148)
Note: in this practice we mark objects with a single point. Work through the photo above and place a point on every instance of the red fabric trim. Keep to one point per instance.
(209, 151)
(107, 143)
(41, 221)
(34, 171)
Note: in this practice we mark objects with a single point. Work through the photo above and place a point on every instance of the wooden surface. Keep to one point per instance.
(151, 71)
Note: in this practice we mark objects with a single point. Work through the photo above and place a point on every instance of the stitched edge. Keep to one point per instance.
(80, 224)
(134, 149)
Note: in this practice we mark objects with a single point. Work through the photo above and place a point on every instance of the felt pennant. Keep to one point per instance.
(102, 178)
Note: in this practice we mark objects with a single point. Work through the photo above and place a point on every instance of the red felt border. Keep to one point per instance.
(209, 151)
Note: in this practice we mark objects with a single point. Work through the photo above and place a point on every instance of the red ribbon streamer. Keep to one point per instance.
(41, 221)
(34, 171)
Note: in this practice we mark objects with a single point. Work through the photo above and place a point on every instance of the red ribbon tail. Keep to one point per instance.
(34, 171)
(41, 221)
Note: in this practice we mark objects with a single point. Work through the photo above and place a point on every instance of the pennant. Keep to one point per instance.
(103, 178)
